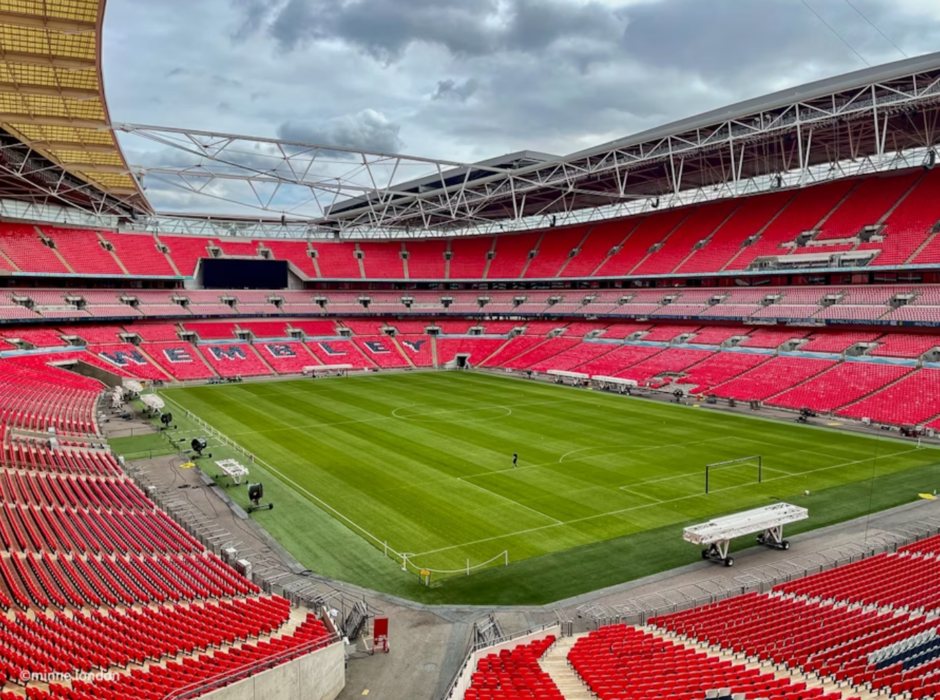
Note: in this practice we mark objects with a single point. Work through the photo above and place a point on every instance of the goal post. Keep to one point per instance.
(716, 466)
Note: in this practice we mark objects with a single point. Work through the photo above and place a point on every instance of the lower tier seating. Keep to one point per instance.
(625, 663)
(239, 360)
(514, 674)
(772, 377)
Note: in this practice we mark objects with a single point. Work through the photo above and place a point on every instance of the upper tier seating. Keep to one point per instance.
(186, 251)
(511, 255)
(747, 220)
(338, 260)
(139, 254)
(701, 223)
(297, 252)
(601, 240)
(82, 251)
(802, 212)
(646, 233)
(382, 260)
(869, 201)
(426, 259)
(699, 239)
(553, 251)
(21, 244)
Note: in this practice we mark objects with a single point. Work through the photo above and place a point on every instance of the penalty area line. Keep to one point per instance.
(648, 505)
(509, 500)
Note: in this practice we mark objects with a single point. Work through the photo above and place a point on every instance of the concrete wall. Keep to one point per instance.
(317, 676)
(460, 687)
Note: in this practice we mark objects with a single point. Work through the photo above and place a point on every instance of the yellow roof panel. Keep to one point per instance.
(86, 10)
(51, 93)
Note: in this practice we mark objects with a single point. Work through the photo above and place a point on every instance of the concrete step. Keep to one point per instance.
(555, 664)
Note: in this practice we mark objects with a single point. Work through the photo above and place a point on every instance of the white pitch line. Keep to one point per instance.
(649, 505)
(509, 500)
(385, 418)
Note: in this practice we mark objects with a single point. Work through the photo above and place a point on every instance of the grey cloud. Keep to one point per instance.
(367, 130)
(450, 89)
(386, 28)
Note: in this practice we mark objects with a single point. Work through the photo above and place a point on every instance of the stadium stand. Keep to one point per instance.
(839, 386)
(619, 359)
(772, 377)
(670, 361)
(179, 360)
(476, 349)
(914, 399)
(719, 368)
(139, 255)
(418, 349)
(541, 353)
(285, 358)
(511, 255)
(553, 252)
(186, 251)
(130, 359)
(512, 349)
(340, 352)
(381, 349)
(83, 251)
(700, 225)
(338, 260)
(514, 674)
(235, 360)
(296, 253)
(426, 259)
(22, 245)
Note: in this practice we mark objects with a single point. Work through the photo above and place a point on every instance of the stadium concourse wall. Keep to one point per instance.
(320, 675)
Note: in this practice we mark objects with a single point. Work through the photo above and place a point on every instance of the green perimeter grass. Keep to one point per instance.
(604, 485)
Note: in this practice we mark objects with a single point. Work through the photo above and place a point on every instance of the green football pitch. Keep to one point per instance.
(366, 469)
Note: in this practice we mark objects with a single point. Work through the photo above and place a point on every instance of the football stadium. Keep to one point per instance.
(659, 418)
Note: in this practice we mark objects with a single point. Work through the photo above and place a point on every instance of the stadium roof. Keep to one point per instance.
(58, 146)
(881, 118)
(885, 73)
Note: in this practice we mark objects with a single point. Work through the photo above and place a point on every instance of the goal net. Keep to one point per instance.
(733, 472)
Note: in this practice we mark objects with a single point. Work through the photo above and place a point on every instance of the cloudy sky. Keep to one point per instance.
(472, 79)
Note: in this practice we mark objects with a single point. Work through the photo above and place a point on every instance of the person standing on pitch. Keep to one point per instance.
(515, 459)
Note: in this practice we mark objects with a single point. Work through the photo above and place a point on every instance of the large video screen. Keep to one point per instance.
(218, 273)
